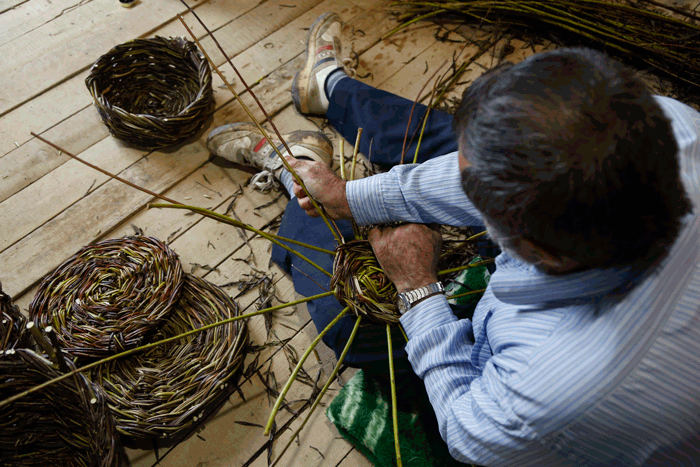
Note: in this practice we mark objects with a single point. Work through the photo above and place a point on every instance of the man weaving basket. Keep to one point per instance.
(585, 349)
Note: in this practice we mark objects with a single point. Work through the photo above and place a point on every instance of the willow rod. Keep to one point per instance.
(127, 182)
(466, 266)
(300, 363)
(394, 409)
(334, 373)
(230, 221)
(320, 210)
(111, 358)
(205, 212)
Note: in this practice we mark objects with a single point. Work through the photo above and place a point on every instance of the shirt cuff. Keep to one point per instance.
(366, 200)
(429, 314)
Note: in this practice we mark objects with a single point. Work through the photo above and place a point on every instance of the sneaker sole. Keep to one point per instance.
(305, 73)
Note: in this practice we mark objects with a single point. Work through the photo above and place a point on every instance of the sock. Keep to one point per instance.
(332, 79)
(288, 181)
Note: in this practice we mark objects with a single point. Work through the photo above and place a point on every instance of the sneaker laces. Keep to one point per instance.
(265, 180)
(349, 67)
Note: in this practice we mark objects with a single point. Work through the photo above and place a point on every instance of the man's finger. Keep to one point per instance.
(374, 234)
(298, 191)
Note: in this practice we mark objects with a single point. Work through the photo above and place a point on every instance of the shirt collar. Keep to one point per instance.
(518, 283)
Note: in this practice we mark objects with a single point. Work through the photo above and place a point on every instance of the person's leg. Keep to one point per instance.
(383, 118)
(369, 349)
(321, 88)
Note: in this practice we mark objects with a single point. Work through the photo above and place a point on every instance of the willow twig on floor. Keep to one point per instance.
(323, 391)
(294, 374)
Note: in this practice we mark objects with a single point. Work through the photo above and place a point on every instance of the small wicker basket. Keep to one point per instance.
(152, 93)
(67, 424)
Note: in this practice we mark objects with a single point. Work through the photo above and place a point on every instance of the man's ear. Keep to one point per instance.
(539, 255)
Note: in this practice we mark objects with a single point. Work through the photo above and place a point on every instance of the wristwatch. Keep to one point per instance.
(408, 299)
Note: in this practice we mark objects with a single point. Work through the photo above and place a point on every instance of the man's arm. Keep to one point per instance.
(471, 398)
(421, 193)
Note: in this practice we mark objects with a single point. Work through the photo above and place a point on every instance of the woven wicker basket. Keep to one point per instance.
(109, 296)
(12, 324)
(67, 424)
(152, 93)
(163, 393)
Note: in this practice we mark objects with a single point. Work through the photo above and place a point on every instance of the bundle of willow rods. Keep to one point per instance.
(635, 34)
(360, 283)
(162, 392)
(152, 93)
(109, 296)
(64, 425)
(12, 324)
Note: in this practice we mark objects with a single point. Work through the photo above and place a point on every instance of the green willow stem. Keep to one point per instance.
(342, 158)
(466, 293)
(466, 266)
(414, 20)
(479, 235)
(355, 152)
(235, 223)
(229, 220)
(126, 353)
(331, 378)
(394, 410)
(295, 373)
(425, 122)
(403, 331)
(319, 209)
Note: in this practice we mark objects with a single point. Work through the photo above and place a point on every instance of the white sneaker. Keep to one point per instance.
(243, 143)
(322, 51)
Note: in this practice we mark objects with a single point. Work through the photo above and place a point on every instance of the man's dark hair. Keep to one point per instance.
(570, 151)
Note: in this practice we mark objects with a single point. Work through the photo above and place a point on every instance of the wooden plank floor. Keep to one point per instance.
(50, 205)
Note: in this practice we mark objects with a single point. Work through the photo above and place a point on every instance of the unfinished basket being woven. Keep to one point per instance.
(359, 282)
(163, 392)
(12, 324)
(67, 424)
(109, 296)
(152, 93)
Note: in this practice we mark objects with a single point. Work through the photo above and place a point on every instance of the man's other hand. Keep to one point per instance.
(408, 254)
(325, 187)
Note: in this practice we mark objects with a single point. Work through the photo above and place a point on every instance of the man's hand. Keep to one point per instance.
(408, 254)
(326, 188)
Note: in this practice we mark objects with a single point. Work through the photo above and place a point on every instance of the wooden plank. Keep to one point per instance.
(62, 187)
(27, 164)
(6, 5)
(34, 159)
(64, 100)
(65, 46)
(42, 250)
(27, 15)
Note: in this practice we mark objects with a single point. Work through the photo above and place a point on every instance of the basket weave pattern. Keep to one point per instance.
(359, 282)
(160, 393)
(152, 93)
(65, 425)
(109, 296)
(12, 324)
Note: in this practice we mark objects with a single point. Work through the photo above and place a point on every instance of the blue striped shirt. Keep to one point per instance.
(550, 370)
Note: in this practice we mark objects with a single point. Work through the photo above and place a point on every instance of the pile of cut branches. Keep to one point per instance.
(644, 35)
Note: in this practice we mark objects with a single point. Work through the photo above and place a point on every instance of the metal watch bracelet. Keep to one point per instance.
(408, 299)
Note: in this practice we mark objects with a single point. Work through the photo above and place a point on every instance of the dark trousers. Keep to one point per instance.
(383, 118)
